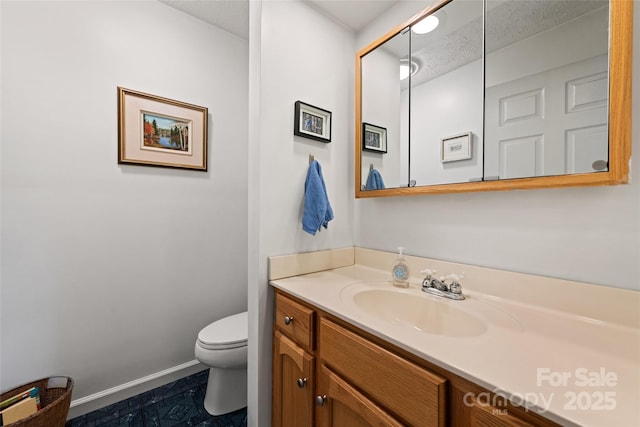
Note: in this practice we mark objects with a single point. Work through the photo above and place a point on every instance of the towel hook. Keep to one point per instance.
(370, 167)
(311, 158)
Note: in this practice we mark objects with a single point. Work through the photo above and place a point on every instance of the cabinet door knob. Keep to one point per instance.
(321, 399)
(302, 382)
(288, 320)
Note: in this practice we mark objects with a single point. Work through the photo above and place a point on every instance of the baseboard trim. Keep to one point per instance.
(124, 391)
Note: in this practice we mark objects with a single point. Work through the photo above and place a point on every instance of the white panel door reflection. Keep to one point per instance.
(549, 123)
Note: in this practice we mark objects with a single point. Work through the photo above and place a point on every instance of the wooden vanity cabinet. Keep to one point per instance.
(414, 395)
(296, 321)
(467, 410)
(293, 383)
(489, 416)
(293, 380)
(327, 372)
(341, 404)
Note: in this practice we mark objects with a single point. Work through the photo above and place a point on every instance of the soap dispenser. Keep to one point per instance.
(400, 271)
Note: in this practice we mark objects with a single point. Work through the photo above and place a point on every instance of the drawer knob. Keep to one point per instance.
(288, 320)
(302, 382)
(321, 399)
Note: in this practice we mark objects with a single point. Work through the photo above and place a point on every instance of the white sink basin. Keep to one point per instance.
(431, 314)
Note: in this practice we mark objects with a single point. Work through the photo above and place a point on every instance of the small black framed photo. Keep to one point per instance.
(374, 138)
(312, 122)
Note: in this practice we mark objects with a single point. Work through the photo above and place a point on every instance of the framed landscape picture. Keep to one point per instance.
(157, 131)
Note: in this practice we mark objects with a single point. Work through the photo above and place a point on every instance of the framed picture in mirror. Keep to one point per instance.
(456, 148)
(312, 122)
(374, 138)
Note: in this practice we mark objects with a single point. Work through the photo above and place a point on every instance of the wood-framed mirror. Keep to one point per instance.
(465, 147)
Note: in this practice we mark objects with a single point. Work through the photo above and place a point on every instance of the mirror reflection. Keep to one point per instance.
(546, 88)
(385, 150)
(438, 107)
(446, 96)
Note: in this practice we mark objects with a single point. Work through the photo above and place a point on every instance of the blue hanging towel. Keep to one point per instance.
(317, 209)
(374, 181)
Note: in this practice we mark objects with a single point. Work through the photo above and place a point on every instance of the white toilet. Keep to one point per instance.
(222, 346)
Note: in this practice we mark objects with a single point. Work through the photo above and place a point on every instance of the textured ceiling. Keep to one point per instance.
(353, 14)
(455, 43)
(230, 15)
(459, 40)
(233, 15)
(515, 20)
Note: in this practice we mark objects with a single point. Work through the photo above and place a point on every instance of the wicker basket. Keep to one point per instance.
(55, 397)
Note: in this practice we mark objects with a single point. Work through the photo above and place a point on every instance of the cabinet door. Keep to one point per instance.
(293, 382)
(468, 409)
(484, 415)
(488, 416)
(414, 394)
(339, 404)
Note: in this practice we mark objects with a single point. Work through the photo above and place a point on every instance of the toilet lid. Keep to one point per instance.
(228, 332)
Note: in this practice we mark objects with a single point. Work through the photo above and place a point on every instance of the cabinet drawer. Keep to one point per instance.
(412, 393)
(295, 320)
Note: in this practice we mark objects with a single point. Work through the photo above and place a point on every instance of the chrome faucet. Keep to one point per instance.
(431, 282)
(440, 287)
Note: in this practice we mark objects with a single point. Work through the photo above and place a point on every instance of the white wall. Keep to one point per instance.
(578, 39)
(584, 234)
(446, 106)
(309, 58)
(110, 271)
(303, 56)
(381, 107)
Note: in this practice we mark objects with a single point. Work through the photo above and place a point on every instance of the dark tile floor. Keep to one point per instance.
(176, 404)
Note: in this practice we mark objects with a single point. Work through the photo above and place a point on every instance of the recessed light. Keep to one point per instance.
(427, 25)
(407, 68)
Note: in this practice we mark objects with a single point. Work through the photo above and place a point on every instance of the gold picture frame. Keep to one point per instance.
(157, 131)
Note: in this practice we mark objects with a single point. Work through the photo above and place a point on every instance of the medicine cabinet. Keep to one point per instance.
(472, 95)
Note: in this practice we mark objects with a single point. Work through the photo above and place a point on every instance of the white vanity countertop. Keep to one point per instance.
(571, 369)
